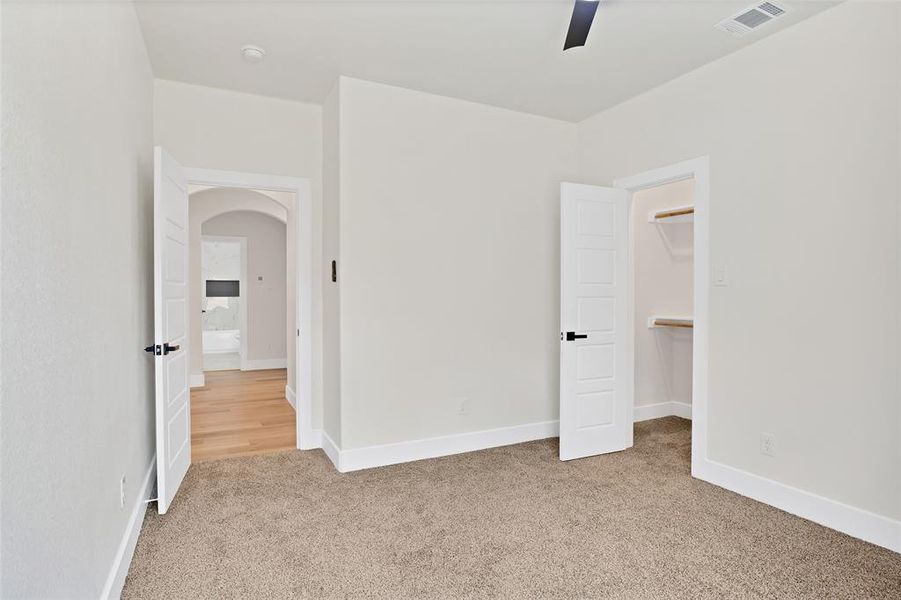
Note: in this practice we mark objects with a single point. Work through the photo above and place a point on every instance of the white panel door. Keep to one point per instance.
(170, 302)
(596, 378)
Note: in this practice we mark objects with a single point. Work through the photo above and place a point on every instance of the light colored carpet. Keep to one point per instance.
(511, 522)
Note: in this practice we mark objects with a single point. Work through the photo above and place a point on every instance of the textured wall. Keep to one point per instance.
(803, 138)
(449, 217)
(76, 291)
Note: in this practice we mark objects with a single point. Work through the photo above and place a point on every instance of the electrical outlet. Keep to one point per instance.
(122, 492)
(462, 406)
(768, 444)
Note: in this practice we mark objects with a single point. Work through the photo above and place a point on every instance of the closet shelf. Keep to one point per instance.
(671, 214)
(676, 322)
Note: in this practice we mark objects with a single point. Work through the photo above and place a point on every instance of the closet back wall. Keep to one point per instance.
(664, 266)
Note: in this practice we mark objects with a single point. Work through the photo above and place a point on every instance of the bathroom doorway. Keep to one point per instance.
(223, 265)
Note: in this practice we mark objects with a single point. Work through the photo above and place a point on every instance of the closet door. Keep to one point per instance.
(596, 366)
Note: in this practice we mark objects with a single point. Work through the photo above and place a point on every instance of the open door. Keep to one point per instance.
(596, 366)
(170, 302)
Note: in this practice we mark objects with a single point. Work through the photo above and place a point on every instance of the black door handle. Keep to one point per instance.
(167, 348)
(572, 336)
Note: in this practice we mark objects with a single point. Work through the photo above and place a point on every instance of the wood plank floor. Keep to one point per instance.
(238, 413)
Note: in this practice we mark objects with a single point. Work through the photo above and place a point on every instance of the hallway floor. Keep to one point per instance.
(240, 413)
(510, 522)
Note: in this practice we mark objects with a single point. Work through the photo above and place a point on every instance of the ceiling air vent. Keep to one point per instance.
(751, 18)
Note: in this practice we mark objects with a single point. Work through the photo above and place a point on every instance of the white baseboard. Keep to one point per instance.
(355, 459)
(264, 363)
(662, 409)
(681, 409)
(331, 450)
(652, 411)
(197, 380)
(291, 397)
(312, 440)
(870, 527)
(115, 581)
(855, 522)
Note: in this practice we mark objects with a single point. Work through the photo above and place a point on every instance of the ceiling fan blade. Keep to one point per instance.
(583, 15)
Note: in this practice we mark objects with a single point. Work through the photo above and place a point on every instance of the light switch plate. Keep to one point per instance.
(721, 276)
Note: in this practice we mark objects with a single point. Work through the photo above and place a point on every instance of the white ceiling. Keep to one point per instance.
(505, 53)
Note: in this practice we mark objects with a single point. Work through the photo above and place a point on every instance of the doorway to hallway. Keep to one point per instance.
(177, 335)
(241, 406)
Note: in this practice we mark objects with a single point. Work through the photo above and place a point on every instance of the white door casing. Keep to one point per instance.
(170, 301)
(596, 371)
(307, 274)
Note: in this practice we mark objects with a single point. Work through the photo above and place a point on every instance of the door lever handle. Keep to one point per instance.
(572, 336)
(167, 348)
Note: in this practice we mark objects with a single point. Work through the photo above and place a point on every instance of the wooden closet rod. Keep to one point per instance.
(676, 212)
(674, 323)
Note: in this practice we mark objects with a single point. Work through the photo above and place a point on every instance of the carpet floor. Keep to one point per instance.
(511, 522)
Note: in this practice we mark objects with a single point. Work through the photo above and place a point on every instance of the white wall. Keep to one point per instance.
(331, 321)
(664, 275)
(267, 329)
(803, 138)
(449, 270)
(75, 289)
(205, 205)
(219, 129)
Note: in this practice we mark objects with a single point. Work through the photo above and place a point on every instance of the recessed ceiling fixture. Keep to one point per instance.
(253, 54)
(580, 23)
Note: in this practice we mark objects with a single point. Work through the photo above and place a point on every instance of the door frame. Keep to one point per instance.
(307, 286)
(699, 170)
(242, 289)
